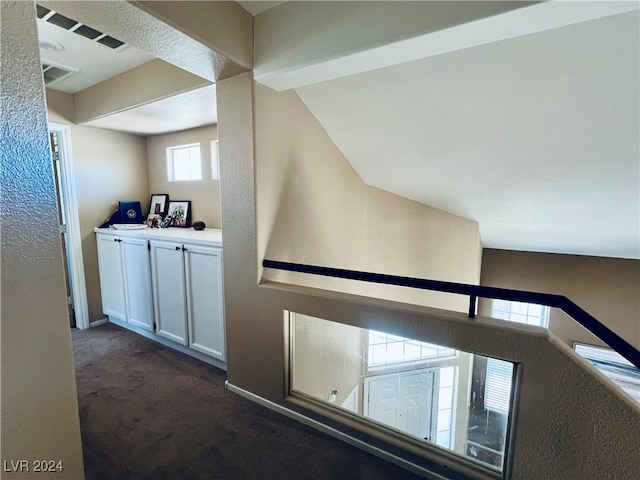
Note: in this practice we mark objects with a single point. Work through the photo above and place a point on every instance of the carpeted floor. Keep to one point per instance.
(148, 412)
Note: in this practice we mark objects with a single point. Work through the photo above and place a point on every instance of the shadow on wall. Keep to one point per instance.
(293, 228)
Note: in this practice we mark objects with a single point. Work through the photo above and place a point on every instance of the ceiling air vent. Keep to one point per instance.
(62, 21)
(78, 28)
(55, 73)
(42, 11)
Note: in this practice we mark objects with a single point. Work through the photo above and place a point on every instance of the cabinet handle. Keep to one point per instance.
(177, 248)
(184, 249)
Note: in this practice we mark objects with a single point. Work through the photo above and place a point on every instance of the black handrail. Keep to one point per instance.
(601, 331)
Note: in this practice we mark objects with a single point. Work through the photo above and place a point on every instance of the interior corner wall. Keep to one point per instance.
(310, 203)
(313, 208)
(109, 166)
(204, 194)
(39, 414)
(607, 288)
(408, 238)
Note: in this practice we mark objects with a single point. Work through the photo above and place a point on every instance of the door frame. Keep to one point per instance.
(69, 200)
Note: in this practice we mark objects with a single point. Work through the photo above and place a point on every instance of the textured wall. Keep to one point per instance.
(572, 425)
(204, 194)
(39, 406)
(312, 207)
(607, 288)
(109, 166)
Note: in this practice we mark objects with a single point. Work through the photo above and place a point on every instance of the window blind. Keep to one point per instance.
(498, 385)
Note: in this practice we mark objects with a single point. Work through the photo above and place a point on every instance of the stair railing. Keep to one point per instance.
(474, 292)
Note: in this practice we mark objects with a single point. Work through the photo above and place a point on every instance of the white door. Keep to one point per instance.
(203, 267)
(167, 272)
(405, 401)
(137, 282)
(111, 277)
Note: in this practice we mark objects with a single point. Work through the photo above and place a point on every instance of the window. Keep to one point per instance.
(215, 163)
(520, 312)
(386, 349)
(614, 366)
(184, 163)
(438, 401)
(446, 414)
(500, 373)
(498, 386)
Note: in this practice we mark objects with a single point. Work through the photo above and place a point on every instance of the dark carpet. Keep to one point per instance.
(148, 412)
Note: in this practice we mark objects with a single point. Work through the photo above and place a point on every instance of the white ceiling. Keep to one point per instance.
(96, 63)
(536, 137)
(173, 114)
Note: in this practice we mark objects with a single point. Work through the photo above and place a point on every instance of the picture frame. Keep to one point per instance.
(154, 220)
(180, 213)
(159, 204)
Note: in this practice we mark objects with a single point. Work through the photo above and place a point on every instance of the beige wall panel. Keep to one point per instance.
(313, 208)
(328, 355)
(109, 166)
(204, 194)
(607, 288)
(310, 202)
(39, 416)
(411, 239)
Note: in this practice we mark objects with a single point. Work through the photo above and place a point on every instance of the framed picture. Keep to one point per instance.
(159, 204)
(154, 220)
(180, 213)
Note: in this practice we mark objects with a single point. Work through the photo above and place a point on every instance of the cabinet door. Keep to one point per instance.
(167, 272)
(137, 282)
(203, 267)
(111, 277)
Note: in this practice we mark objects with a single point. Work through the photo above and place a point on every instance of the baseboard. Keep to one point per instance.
(97, 323)
(168, 343)
(333, 432)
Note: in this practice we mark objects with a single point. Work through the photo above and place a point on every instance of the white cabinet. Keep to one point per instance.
(170, 283)
(125, 279)
(188, 295)
(137, 282)
(111, 277)
(169, 291)
(205, 312)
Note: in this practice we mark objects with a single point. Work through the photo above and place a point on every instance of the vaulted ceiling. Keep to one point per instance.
(527, 121)
(536, 137)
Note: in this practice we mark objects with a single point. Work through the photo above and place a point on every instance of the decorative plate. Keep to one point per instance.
(129, 226)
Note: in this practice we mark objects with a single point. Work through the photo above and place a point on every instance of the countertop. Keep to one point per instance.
(208, 236)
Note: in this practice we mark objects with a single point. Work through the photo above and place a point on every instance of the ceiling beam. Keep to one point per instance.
(151, 81)
(302, 43)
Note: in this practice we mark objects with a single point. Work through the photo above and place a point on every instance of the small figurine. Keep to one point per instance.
(166, 222)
